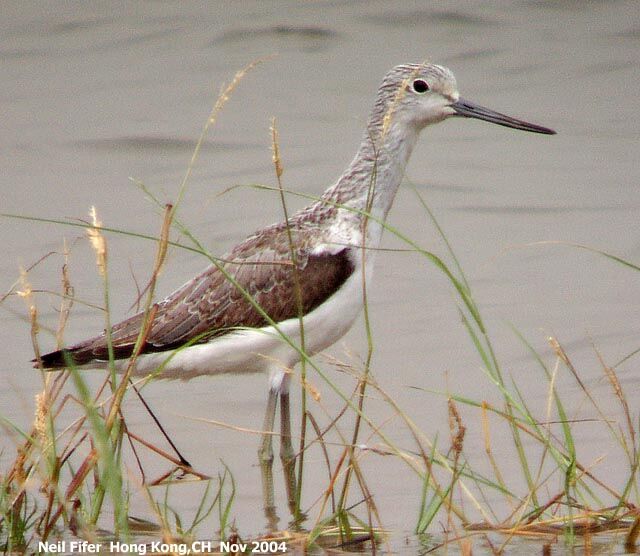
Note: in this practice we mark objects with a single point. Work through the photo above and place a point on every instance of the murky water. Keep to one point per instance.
(92, 96)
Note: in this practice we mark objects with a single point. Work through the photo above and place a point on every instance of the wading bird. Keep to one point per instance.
(303, 277)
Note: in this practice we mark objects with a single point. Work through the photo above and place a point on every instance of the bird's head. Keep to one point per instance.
(422, 94)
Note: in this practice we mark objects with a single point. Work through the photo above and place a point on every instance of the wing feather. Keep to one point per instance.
(212, 305)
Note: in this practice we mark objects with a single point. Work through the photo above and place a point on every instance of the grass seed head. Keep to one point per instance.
(98, 241)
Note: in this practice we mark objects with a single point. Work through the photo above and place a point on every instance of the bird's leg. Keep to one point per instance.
(287, 455)
(265, 456)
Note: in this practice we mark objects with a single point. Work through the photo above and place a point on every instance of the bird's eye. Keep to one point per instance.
(420, 86)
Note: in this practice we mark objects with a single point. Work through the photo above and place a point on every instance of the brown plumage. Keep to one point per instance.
(211, 305)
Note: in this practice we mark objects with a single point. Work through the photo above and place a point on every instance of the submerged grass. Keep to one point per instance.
(68, 480)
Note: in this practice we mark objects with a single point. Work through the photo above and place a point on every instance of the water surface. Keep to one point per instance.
(92, 96)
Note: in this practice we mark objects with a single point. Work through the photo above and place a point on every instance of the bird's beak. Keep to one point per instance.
(470, 110)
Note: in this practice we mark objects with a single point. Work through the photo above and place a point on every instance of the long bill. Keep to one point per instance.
(471, 110)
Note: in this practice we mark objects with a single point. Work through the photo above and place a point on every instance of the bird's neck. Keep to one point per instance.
(372, 179)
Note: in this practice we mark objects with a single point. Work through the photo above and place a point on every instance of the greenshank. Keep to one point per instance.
(306, 274)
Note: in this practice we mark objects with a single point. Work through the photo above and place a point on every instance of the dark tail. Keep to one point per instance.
(92, 350)
(55, 360)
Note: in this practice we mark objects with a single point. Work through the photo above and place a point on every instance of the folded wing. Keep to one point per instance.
(212, 305)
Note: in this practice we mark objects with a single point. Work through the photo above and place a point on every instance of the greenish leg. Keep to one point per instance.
(265, 456)
(287, 455)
